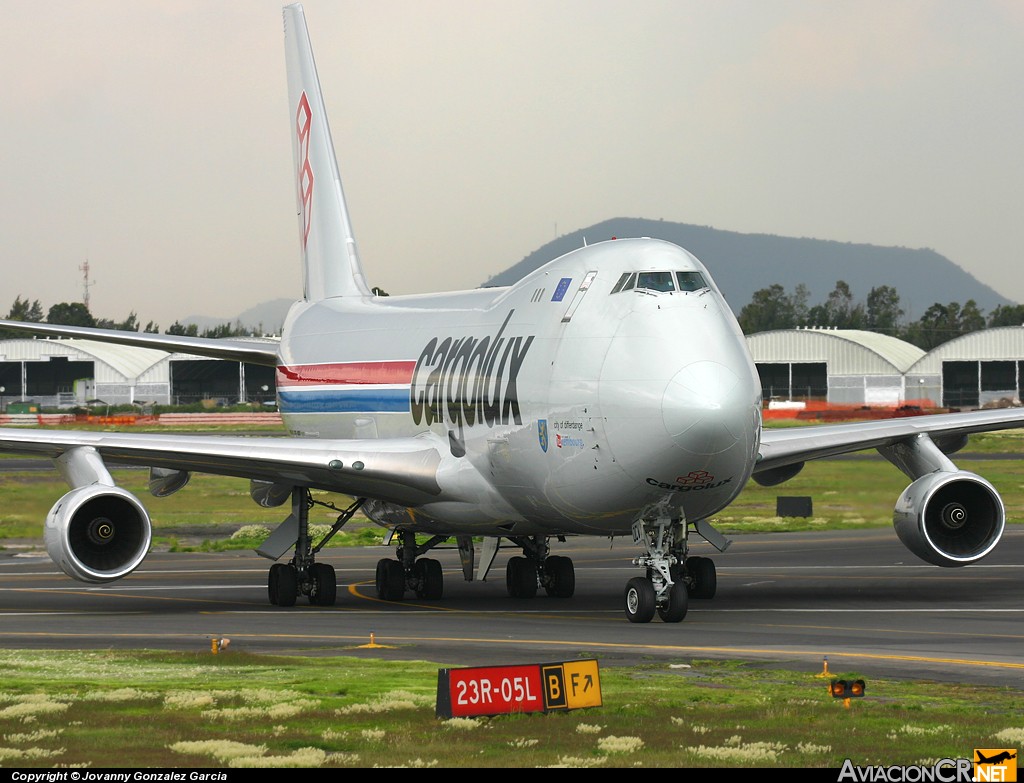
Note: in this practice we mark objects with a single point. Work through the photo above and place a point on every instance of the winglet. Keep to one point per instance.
(330, 260)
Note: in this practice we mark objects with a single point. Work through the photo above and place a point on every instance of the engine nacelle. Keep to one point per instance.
(98, 533)
(950, 518)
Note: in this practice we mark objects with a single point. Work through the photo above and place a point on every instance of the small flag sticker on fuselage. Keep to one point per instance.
(563, 286)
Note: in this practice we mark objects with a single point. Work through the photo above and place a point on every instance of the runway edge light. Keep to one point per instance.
(846, 689)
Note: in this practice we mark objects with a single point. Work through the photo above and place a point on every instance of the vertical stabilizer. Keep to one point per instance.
(330, 261)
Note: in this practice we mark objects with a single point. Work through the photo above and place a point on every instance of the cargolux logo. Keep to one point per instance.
(691, 482)
(303, 123)
(470, 380)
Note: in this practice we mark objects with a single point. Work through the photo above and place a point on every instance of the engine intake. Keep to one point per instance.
(950, 518)
(98, 533)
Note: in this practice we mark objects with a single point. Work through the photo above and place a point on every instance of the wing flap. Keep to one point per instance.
(398, 470)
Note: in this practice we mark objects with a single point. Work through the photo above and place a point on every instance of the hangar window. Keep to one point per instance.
(793, 380)
(998, 376)
(960, 385)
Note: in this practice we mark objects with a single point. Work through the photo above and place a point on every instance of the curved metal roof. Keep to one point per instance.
(859, 350)
(1004, 343)
(126, 361)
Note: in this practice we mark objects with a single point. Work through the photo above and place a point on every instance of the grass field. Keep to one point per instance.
(148, 709)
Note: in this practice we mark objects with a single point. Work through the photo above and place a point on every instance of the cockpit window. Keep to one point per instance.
(660, 281)
(691, 281)
(656, 281)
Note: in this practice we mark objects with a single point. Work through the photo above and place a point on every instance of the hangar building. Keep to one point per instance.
(984, 368)
(839, 366)
(58, 373)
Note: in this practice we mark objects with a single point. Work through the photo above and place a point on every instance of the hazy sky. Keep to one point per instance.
(151, 139)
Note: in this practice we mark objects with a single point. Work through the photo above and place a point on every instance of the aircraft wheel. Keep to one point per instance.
(430, 579)
(390, 580)
(675, 610)
(705, 578)
(325, 585)
(274, 582)
(640, 600)
(521, 577)
(285, 585)
(562, 576)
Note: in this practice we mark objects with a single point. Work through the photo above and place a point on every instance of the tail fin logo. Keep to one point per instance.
(303, 124)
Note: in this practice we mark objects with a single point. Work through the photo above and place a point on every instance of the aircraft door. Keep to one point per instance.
(578, 297)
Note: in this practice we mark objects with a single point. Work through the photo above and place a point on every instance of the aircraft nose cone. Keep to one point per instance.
(705, 408)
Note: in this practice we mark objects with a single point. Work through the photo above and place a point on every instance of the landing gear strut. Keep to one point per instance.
(303, 575)
(672, 577)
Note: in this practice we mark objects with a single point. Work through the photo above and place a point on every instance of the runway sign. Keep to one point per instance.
(501, 690)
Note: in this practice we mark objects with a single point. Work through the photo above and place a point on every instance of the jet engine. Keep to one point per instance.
(950, 518)
(97, 533)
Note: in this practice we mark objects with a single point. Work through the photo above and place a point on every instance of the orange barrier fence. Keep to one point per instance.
(131, 419)
(816, 410)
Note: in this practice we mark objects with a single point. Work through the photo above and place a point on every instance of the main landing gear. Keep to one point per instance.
(535, 568)
(672, 577)
(524, 574)
(422, 577)
(302, 575)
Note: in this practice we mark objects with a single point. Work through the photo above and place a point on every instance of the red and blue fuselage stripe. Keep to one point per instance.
(345, 387)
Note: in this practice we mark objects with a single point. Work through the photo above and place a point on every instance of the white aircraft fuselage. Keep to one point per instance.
(577, 408)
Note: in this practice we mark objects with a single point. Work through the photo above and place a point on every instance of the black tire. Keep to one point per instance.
(325, 585)
(390, 580)
(561, 582)
(274, 582)
(521, 577)
(675, 610)
(705, 578)
(640, 600)
(287, 585)
(430, 579)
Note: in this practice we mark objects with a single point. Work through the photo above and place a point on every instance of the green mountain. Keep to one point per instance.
(744, 263)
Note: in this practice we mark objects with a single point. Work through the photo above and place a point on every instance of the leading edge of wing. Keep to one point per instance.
(398, 470)
(781, 447)
(249, 351)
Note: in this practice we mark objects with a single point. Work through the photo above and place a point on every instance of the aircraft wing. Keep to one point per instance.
(785, 447)
(249, 351)
(398, 470)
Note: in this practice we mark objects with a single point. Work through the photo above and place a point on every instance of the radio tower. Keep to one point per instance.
(86, 284)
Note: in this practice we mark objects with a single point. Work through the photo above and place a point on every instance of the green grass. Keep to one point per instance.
(173, 710)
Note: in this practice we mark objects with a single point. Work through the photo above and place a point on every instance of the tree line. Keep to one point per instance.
(77, 314)
(775, 308)
(769, 309)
